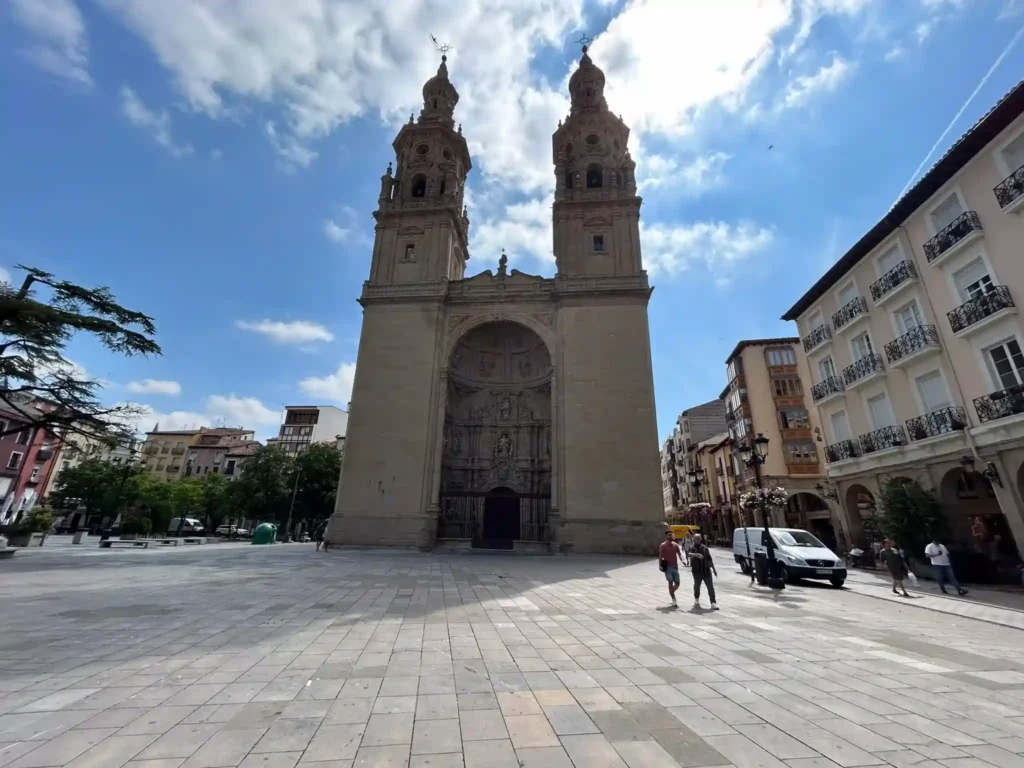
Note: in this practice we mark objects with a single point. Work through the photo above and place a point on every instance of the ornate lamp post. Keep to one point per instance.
(698, 478)
(754, 454)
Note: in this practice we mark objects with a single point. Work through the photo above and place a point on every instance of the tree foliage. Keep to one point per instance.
(319, 468)
(911, 515)
(216, 501)
(34, 332)
(263, 490)
(102, 488)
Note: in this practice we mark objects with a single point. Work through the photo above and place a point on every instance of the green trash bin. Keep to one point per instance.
(265, 533)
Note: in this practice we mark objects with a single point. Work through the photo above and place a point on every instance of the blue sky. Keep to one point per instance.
(215, 163)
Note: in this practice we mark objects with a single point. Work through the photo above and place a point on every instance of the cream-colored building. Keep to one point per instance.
(916, 346)
(767, 395)
(164, 453)
(505, 409)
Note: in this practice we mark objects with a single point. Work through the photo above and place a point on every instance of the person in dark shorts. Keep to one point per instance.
(896, 565)
(318, 536)
(702, 566)
(669, 555)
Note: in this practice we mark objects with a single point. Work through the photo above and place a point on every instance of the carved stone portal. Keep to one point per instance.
(498, 414)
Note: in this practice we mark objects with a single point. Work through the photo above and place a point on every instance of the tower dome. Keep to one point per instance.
(586, 87)
(439, 97)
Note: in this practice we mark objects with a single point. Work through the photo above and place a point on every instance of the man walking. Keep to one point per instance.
(896, 565)
(668, 560)
(944, 573)
(702, 566)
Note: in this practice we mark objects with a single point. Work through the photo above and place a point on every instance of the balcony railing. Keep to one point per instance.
(896, 276)
(818, 336)
(977, 309)
(880, 439)
(999, 405)
(940, 422)
(1010, 188)
(912, 341)
(849, 312)
(177, 451)
(830, 386)
(844, 449)
(952, 234)
(864, 367)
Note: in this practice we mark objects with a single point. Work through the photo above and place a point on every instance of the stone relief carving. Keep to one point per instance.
(525, 366)
(504, 407)
(503, 446)
(486, 367)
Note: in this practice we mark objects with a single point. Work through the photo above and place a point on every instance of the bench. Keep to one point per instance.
(166, 542)
(7, 552)
(109, 543)
(194, 541)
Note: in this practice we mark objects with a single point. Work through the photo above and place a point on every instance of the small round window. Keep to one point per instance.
(422, 149)
(592, 139)
(447, 154)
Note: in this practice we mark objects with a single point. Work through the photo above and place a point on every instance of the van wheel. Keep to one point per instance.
(744, 567)
(837, 583)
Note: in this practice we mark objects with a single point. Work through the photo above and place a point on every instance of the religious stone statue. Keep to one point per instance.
(503, 263)
(525, 367)
(505, 408)
(454, 445)
(503, 447)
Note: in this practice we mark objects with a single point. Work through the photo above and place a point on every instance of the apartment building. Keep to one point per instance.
(766, 395)
(164, 452)
(693, 426)
(307, 424)
(914, 343)
(217, 451)
(26, 460)
(74, 448)
(670, 491)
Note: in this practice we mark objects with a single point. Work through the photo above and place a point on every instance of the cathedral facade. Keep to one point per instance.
(505, 410)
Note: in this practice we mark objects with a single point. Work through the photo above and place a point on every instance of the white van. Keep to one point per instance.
(191, 527)
(801, 554)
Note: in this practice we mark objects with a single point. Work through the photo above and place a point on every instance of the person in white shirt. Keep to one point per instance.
(943, 568)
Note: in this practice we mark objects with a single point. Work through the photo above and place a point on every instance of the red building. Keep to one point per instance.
(26, 459)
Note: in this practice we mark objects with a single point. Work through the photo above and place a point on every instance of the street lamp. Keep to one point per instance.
(827, 491)
(754, 454)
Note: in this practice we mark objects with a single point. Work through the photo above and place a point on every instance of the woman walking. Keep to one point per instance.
(896, 564)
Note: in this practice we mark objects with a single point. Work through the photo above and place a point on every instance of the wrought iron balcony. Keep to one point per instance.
(999, 405)
(892, 279)
(818, 336)
(177, 451)
(940, 422)
(1010, 189)
(880, 439)
(831, 386)
(963, 225)
(912, 341)
(864, 367)
(844, 449)
(977, 309)
(849, 312)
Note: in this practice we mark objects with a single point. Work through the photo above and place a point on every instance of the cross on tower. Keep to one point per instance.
(584, 41)
(442, 47)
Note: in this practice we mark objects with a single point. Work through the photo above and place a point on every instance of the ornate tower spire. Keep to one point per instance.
(439, 97)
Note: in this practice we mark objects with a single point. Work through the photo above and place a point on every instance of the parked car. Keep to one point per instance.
(801, 554)
(232, 530)
(190, 527)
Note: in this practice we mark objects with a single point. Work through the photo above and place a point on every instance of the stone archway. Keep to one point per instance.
(809, 511)
(496, 457)
(979, 526)
(862, 512)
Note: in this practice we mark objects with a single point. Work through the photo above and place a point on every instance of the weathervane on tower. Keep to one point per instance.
(442, 47)
(584, 41)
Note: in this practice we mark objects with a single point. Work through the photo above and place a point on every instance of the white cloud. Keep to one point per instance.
(703, 172)
(827, 79)
(287, 331)
(671, 250)
(154, 387)
(150, 418)
(293, 151)
(334, 232)
(522, 228)
(334, 388)
(343, 227)
(237, 411)
(157, 124)
(61, 47)
(5, 276)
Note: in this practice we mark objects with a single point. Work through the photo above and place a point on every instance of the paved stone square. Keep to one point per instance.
(275, 657)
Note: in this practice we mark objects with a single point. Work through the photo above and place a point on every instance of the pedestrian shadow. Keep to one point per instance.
(667, 609)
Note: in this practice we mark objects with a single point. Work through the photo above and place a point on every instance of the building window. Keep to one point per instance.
(908, 317)
(880, 411)
(788, 387)
(888, 260)
(410, 252)
(826, 369)
(861, 347)
(599, 243)
(419, 186)
(3, 427)
(840, 426)
(802, 450)
(24, 436)
(14, 460)
(933, 391)
(946, 212)
(973, 280)
(794, 418)
(1008, 363)
(782, 356)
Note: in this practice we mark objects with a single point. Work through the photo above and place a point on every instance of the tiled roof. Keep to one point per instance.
(741, 345)
(1005, 111)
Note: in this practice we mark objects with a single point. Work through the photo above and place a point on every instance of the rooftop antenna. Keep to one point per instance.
(584, 41)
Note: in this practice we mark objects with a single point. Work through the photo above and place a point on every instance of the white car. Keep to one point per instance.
(801, 554)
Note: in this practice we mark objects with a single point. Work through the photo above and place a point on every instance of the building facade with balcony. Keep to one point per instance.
(670, 494)
(304, 425)
(217, 451)
(914, 343)
(693, 426)
(27, 457)
(164, 454)
(768, 394)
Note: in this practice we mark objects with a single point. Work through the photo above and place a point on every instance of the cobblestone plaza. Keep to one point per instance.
(232, 655)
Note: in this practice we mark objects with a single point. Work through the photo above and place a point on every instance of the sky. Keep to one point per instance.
(216, 162)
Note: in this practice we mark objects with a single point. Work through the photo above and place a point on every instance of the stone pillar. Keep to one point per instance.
(433, 508)
(554, 518)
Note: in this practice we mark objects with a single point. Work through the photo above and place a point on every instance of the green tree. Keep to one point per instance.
(103, 488)
(216, 499)
(186, 497)
(34, 332)
(154, 496)
(263, 491)
(910, 515)
(319, 468)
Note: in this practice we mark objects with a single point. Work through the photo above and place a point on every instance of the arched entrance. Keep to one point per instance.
(862, 512)
(496, 461)
(809, 511)
(979, 527)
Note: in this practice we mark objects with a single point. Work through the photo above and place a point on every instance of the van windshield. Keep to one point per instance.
(797, 539)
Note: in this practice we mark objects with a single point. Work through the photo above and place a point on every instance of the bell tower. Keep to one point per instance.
(597, 210)
(422, 228)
